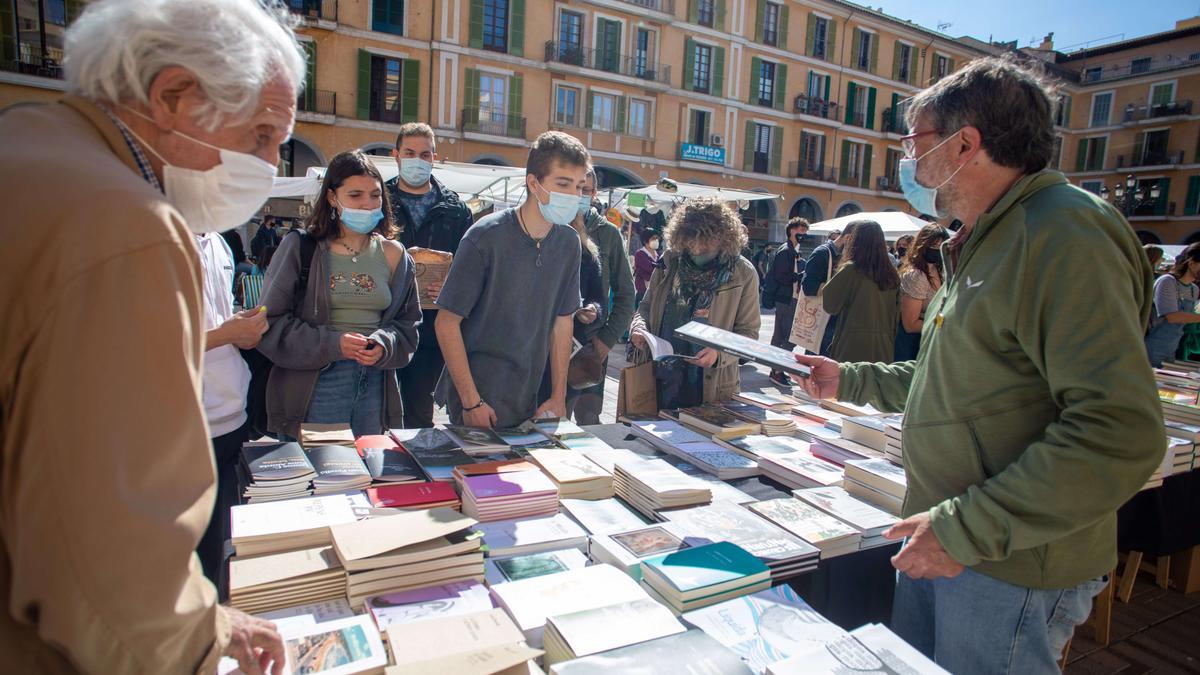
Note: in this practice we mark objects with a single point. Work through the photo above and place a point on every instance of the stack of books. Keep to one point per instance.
(531, 535)
(869, 430)
(809, 430)
(269, 582)
(868, 520)
(482, 642)
(665, 434)
(407, 550)
(509, 491)
(1181, 451)
(274, 471)
(717, 460)
(1155, 480)
(839, 450)
(818, 528)
(1179, 404)
(592, 631)
(689, 652)
(526, 437)
(602, 515)
(870, 644)
(847, 409)
(414, 496)
(435, 452)
(430, 602)
(339, 469)
(704, 575)
(893, 448)
(877, 481)
(274, 527)
(531, 601)
(816, 413)
(576, 476)
(772, 423)
(476, 441)
(652, 485)
(769, 401)
(387, 462)
(570, 435)
(627, 549)
(530, 565)
(717, 422)
(784, 553)
(792, 462)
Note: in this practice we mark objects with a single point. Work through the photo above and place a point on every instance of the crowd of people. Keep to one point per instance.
(1029, 417)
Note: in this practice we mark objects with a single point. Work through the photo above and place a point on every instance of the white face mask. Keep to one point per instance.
(220, 198)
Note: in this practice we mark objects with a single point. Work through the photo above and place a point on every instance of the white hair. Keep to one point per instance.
(234, 48)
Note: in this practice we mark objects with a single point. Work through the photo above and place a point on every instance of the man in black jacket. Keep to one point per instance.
(816, 273)
(783, 275)
(430, 216)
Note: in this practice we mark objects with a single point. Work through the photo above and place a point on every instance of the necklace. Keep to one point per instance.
(538, 260)
(354, 253)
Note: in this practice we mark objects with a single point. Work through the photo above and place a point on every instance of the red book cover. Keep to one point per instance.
(411, 494)
(372, 442)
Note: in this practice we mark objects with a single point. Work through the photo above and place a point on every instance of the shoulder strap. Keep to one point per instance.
(308, 248)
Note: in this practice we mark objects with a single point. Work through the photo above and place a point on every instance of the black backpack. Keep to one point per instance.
(260, 365)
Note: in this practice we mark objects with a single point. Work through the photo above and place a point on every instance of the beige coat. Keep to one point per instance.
(734, 308)
(105, 465)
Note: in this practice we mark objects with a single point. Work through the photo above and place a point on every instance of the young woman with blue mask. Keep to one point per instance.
(337, 338)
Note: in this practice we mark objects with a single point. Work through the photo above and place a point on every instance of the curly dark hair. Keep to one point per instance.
(323, 224)
(867, 249)
(707, 221)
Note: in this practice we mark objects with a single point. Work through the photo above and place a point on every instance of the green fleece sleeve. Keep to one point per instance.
(883, 385)
(1109, 435)
(620, 280)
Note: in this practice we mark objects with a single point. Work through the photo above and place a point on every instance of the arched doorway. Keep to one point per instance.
(378, 149)
(490, 160)
(757, 218)
(297, 156)
(1151, 238)
(612, 177)
(806, 208)
(848, 209)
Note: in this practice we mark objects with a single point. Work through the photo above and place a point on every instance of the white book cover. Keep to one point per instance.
(660, 477)
(760, 445)
(729, 522)
(506, 534)
(292, 515)
(566, 466)
(667, 431)
(881, 468)
(843, 506)
(433, 602)
(806, 465)
(319, 611)
(608, 457)
(602, 515)
(592, 631)
(339, 647)
(765, 627)
(804, 520)
(712, 454)
(530, 601)
(631, 547)
(871, 648)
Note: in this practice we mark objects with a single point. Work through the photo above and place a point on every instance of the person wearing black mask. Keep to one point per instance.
(782, 277)
(920, 277)
(902, 245)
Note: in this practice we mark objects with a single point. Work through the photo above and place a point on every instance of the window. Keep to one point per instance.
(1092, 186)
(863, 57)
(1056, 153)
(941, 67)
(387, 17)
(702, 75)
(820, 37)
(639, 118)
(1093, 74)
(771, 24)
(390, 99)
(1091, 154)
(892, 169)
(1153, 147)
(604, 112)
(1141, 65)
(1101, 109)
(56, 12)
(1062, 111)
(766, 83)
(854, 165)
(812, 155)
(570, 38)
(495, 25)
(817, 85)
(566, 107)
(643, 60)
(493, 103)
(700, 121)
(608, 45)
(1162, 93)
(762, 148)
(904, 64)
(705, 12)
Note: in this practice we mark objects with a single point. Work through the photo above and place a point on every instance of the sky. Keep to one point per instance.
(1076, 24)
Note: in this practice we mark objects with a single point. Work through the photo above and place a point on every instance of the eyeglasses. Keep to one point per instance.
(909, 142)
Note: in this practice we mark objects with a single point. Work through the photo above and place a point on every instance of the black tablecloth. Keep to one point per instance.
(1164, 520)
(849, 590)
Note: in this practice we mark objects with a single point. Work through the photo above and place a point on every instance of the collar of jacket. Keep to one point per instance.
(1024, 188)
(100, 120)
(593, 220)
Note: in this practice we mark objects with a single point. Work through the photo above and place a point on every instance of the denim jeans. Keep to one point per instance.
(975, 624)
(348, 392)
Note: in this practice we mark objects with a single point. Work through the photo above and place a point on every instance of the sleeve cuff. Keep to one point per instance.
(949, 530)
(223, 631)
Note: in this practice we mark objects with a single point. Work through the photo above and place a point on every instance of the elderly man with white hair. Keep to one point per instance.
(172, 126)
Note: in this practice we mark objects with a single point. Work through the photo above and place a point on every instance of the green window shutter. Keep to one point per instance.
(8, 37)
(950, 67)
(783, 27)
(896, 61)
(821, 158)
(844, 170)
(780, 86)
(591, 104)
(310, 73)
(1101, 145)
(810, 46)
(755, 77)
(694, 11)
(471, 98)
(1193, 194)
(515, 94)
(914, 77)
(689, 64)
(831, 41)
(748, 148)
(776, 150)
(827, 80)
(516, 27)
(475, 32)
(619, 126)
(410, 89)
(718, 72)
(850, 102)
(894, 114)
(759, 19)
(874, 52)
(1067, 114)
(1160, 208)
(870, 107)
(719, 15)
(866, 171)
(363, 104)
(1081, 155)
(1137, 149)
(856, 46)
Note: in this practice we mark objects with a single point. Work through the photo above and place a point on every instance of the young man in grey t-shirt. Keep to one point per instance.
(509, 299)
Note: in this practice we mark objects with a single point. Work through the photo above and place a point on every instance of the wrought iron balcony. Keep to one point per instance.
(887, 183)
(1151, 158)
(811, 171)
(817, 107)
(493, 122)
(857, 119)
(608, 61)
(1148, 112)
(664, 6)
(325, 10)
(32, 65)
(893, 123)
(317, 101)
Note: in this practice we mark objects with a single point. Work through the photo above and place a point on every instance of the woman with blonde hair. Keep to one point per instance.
(701, 276)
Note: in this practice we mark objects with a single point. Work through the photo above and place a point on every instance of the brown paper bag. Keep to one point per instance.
(636, 393)
(429, 266)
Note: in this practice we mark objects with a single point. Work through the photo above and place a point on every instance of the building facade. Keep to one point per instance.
(798, 98)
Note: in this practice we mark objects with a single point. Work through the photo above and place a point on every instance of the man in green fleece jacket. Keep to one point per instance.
(1031, 414)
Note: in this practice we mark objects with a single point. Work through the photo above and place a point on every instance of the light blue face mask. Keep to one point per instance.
(585, 204)
(362, 221)
(923, 199)
(562, 208)
(415, 171)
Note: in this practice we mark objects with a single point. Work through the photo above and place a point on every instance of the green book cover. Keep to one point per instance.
(703, 566)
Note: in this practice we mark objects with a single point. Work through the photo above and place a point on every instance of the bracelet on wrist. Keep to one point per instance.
(477, 405)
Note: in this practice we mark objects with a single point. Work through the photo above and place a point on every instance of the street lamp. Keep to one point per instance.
(1129, 197)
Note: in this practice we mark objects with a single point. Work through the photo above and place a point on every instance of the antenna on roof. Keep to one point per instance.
(943, 25)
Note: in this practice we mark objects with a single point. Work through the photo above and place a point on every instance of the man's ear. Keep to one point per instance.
(969, 141)
(170, 95)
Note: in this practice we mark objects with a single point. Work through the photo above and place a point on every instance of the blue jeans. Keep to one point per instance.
(980, 625)
(348, 392)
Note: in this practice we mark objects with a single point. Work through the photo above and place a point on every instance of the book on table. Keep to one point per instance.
(476, 440)
(559, 428)
(870, 648)
(429, 602)
(274, 471)
(510, 494)
(414, 496)
(435, 452)
(839, 450)
(289, 525)
(879, 474)
(740, 345)
(338, 468)
(531, 601)
(530, 565)
(470, 644)
(811, 524)
(772, 423)
(313, 434)
(715, 459)
(664, 434)
(531, 535)
(717, 422)
(526, 436)
(576, 476)
(784, 553)
(649, 485)
(868, 430)
(600, 516)
(601, 629)
(722, 491)
(872, 522)
(338, 647)
(627, 549)
(705, 575)
(770, 401)
(688, 653)
(277, 580)
(387, 461)
(766, 626)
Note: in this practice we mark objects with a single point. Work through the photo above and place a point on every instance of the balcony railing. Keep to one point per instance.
(893, 123)
(857, 119)
(1151, 158)
(37, 66)
(809, 171)
(664, 6)
(1148, 112)
(325, 10)
(317, 101)
(607, 61)
(859, 181)
(817, 107)
(887, 183)
(493, 122)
